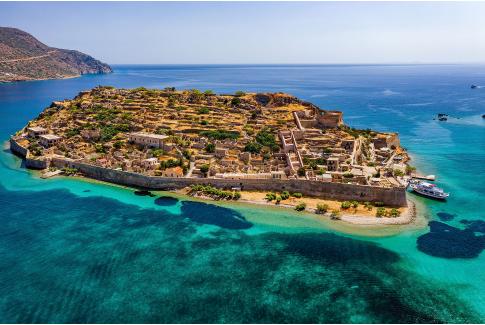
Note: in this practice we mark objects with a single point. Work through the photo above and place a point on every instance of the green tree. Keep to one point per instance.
(204, 169)
(253, 147)
(210, 147)
(301, 171)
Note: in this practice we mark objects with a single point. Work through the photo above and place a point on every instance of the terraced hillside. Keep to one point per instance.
(200, 134)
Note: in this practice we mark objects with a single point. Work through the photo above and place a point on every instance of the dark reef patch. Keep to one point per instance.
(474, 225)
(444, 216)
(450, 242)
(144, 193)
(65, 254)
(214, 215)
(166, 201)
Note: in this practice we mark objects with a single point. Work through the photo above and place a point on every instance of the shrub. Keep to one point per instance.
(118, 144)
(345, 205)
(381, 212)
(239, 93)
(253, 147)
(297, 195)
(300, 206)
(266, 138)
(220, 134)
(285, 195)
(410, 169)
(214, 192)
(378, 204)
(72, 132)
(157, 152)
(203, 110)
(69, 171)
(99, 148)
(270, 196)
(348, 175)
(187, 154)
(335, 215)
(322, 208)
(355, 204)
(394, 213)
(398, 172)
(301, 171)
(236, 101)
(204, 169)
(210, 147)
(204, 122)
(278, 199)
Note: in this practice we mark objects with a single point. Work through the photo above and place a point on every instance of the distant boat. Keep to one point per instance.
(473, 86)
(428, 190)
(442, 117)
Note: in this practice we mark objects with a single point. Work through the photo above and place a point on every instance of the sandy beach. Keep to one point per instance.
(357, 216)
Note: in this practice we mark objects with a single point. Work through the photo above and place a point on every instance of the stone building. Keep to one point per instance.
(35, 131)
(173, 172)
(148, 139)
(48, 140)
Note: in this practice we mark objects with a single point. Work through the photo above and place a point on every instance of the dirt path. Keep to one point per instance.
(31, 58)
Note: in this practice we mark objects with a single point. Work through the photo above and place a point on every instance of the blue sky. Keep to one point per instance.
(258, 32)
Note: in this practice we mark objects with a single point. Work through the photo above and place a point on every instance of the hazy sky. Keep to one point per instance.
(258, 32)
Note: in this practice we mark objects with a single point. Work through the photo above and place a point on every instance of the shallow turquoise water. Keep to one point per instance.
(74, 251)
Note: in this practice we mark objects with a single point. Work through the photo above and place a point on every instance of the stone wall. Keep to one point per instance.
(324, 190)
(17, 149)
(30, 162)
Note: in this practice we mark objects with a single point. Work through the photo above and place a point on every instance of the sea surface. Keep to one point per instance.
(76, 251)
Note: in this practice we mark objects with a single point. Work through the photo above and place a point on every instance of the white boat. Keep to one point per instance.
(428, 189)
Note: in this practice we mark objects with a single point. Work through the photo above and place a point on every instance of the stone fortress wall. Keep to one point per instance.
(395, 196)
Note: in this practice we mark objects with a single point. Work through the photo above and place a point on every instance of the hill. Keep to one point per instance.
(23, 57)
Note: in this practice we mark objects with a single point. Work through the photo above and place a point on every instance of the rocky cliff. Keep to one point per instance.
(23, 57)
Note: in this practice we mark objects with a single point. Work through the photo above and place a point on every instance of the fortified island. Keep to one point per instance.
(170, 139)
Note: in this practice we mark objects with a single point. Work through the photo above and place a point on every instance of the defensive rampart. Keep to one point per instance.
(395, 196)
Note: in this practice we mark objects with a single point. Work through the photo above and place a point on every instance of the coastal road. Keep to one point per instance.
(30, 58)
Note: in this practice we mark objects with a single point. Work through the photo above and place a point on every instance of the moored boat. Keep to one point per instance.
(428, 190)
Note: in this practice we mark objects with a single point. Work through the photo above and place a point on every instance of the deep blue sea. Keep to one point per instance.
(76, 251)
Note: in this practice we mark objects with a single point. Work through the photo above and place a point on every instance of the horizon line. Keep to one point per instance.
(306, 64)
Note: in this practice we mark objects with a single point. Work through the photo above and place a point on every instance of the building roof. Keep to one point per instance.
(36, 129)
(174, 170)
(50, 137)
(149, 135)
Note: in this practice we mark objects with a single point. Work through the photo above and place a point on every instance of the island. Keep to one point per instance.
(217, 145)
(23, 58)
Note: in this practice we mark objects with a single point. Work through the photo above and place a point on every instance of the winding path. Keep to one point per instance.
(30, 58)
